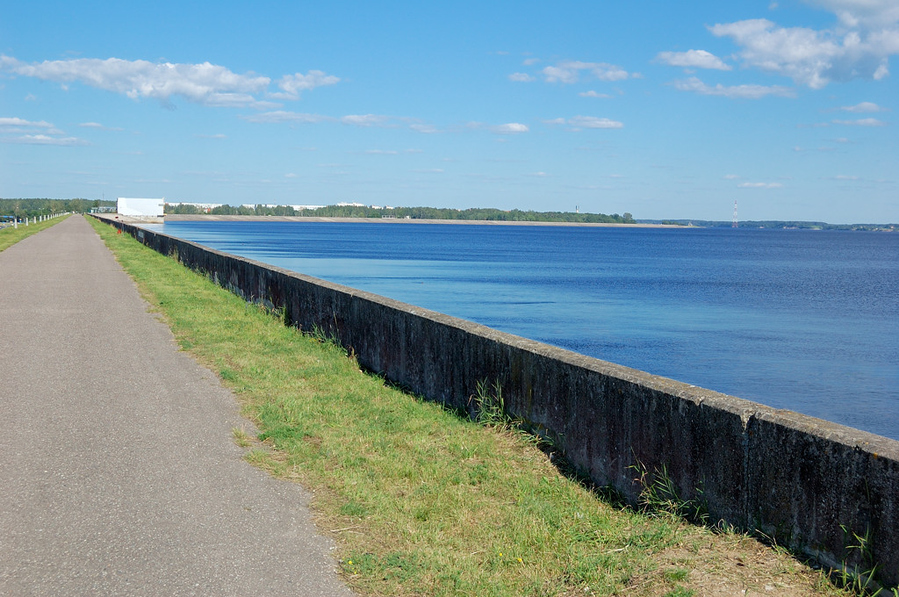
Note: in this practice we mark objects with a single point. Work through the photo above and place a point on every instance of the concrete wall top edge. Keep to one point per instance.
(856, 438)
(875, 445)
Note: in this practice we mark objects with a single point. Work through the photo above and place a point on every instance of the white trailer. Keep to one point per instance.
(140, 208)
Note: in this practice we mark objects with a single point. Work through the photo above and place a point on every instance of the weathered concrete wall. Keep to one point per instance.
(800, 480)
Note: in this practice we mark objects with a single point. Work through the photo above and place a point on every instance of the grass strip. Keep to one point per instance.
(419, 500)
(10, 235)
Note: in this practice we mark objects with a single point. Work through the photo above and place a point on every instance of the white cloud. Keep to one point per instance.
(203, 83)
(731, 176)
(735, 91)
(570, 72)
(290, 175)
(512, 128)
(381, 151)
(864, 107)
(214, 136)
(861, 122)
(693, 59)
(868, 13)
(760, 185)
(858, 50)
(592, 93)
(8, 123)
(521, 78)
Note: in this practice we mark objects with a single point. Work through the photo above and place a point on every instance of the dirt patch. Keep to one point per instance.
(729, 565)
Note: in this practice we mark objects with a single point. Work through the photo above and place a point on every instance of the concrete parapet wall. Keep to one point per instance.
(806, 483)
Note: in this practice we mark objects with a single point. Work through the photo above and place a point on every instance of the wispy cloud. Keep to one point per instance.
(577, 123)
(521, 78)
(511, 128)
(592, 122)
(30, 132)
(98, 126)
(425, 129)
(693, 59)
(44, 140)
(283, 116)
(695, 85)
(571, 71)
(366, 120)
(861, 122)
(864, 107)
(760, 185)
(292, 85)
(203, 83)
(592, 93)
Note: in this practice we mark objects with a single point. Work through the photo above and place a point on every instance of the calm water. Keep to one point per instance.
(804, 320)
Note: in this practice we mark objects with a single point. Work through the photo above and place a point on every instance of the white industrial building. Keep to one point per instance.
(140, 208)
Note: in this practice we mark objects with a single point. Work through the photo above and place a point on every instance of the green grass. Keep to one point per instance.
(10, 235)
(419, 500)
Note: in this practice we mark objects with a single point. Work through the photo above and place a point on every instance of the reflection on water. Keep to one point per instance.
(805, 320)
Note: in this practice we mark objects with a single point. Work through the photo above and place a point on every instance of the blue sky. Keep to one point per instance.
(660, 109)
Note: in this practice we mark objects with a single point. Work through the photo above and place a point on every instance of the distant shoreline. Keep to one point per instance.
(233, 218)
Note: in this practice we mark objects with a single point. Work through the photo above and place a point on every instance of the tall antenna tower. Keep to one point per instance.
(734, 225)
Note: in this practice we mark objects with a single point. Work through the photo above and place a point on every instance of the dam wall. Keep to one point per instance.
(806, 483)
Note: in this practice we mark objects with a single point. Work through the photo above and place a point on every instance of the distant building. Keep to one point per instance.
(140, 208)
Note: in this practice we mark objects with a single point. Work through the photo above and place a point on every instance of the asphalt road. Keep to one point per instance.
(118, 471)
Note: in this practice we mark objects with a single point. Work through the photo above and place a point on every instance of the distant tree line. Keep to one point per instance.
(415, 213)
(29, 208)
(775, 224)
(490, 214)
(230, 210)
